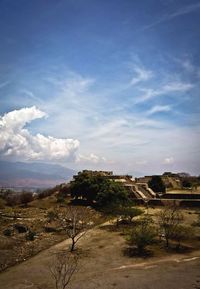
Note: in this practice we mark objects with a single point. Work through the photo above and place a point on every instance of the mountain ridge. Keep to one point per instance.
(24, 174)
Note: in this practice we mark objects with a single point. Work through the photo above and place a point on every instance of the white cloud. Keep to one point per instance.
(171, 87)
(92, 158)
(89, 113)
(159, 108)
(17, 142)
(145, 123)
(141, 75)
(16, 119)
(168, 161)
(176, 87)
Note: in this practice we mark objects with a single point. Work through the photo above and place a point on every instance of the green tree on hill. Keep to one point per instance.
(157, 185)
(111, 192)
(95, 188)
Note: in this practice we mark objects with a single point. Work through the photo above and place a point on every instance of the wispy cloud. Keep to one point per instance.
(31, 95)
(111, 129)
(167, 17)
(176, 87)
(172, 87)
(73, 91)
(159, 108)
(142, 74)
(188, 66)
(3, 84)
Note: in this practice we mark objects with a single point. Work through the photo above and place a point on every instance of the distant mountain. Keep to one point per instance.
(20, 174)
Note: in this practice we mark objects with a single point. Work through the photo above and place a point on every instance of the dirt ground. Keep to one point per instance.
(103, 265)
(15, 248)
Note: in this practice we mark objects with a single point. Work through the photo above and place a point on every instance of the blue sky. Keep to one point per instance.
(110, 84)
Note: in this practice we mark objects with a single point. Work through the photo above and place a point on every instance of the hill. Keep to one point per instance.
(21, 174)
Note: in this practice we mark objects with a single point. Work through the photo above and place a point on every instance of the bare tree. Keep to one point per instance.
(63, 268)
(76, 221)
(169, 218)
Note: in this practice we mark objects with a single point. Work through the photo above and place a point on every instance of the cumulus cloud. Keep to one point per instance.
(17, 142)
(168, 161)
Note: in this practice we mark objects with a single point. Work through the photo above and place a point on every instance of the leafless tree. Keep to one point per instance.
(169, 218)
(63, 268)
(76, 221)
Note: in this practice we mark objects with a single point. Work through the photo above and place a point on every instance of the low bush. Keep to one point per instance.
(8, 232)
(52, 215)
(30, 236)
(50, 229)
(20, 228)
(143, 235)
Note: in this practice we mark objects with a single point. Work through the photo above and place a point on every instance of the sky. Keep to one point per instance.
(101, 84)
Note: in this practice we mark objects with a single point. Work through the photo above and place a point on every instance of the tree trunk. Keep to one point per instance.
(73, 245)
(167, 242)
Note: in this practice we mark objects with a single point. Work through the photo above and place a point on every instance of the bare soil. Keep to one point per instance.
(16, 247)
(104, 265)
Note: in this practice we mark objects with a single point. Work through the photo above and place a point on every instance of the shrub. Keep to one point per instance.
(128, 213)
(30, 236)
(13, 199)
(169, 219)
(26, 198)
(50, 229)
(52, 215)
(8, 232)
(143, 235)
(21, 228)
(181, 233)
(60, 199)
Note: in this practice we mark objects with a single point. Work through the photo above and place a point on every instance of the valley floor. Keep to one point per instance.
(104, 266)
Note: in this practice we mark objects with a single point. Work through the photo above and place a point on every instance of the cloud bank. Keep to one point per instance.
(17, 142)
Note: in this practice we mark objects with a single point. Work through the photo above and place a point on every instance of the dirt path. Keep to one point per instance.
(104, 266)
